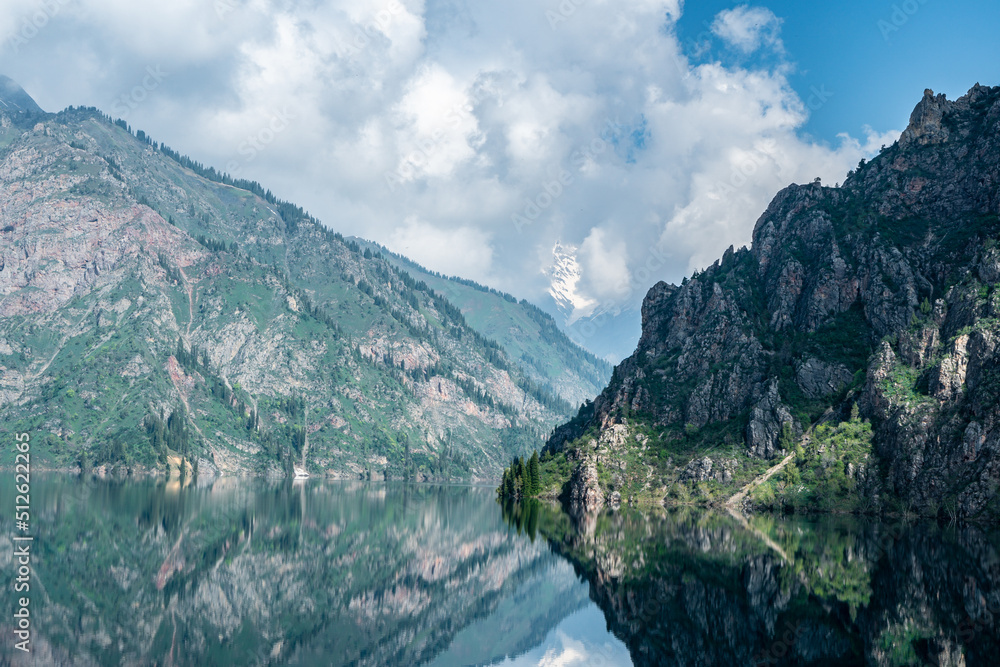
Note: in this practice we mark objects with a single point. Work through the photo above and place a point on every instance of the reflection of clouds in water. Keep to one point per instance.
(572, 652)
(580, 640)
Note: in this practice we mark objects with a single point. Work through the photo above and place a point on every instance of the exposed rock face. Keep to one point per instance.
(585, 493)
(818, 379)
(766, 422)
(705, 469)
(132, 288)
(926, 125)
(886, 289)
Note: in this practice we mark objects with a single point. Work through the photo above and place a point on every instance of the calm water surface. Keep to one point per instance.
(249, 572)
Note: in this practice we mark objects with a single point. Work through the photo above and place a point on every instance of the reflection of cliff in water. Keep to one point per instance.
(251, 572)
(699, 588)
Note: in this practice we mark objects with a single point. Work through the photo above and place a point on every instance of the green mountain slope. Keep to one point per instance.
(150, 307)
(528, 334)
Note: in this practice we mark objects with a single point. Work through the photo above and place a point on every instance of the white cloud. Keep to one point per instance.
(462, 252)
(436, 131)
(605, 265)
(429, 126)
(579, 640)
(748, 28)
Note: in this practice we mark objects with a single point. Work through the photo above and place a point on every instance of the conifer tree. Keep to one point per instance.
(534, 477)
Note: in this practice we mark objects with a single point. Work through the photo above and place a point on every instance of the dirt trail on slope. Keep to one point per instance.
(737, 499)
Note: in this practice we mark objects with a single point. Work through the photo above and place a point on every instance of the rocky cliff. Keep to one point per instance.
(881, 292)
(152, 307)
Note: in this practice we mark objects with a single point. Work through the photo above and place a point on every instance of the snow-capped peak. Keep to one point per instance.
(564, 277)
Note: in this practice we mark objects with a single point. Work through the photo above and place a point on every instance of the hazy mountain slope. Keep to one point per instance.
(14, 99)
(132, 288)
(529, 335)
(882, 292)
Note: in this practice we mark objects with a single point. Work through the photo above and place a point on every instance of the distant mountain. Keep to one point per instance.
(564, 276)
(873, 307)
(610, 332)
(529, 335)
(151, 308)
(13, 98)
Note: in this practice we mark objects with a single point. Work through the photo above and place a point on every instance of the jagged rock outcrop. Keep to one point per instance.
(585, 495)
(817, 379)
(884, 291)
(767, 419)
(926, 125)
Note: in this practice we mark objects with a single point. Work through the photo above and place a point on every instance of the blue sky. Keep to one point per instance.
(571, 152)
(875, 57)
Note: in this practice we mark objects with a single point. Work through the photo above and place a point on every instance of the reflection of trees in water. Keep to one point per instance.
(235, 570)
(522, 516)
(697, 588)
(364, 570)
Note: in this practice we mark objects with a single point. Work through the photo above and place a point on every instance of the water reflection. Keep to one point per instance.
(580, 640)
(703, 588)
(247, 572)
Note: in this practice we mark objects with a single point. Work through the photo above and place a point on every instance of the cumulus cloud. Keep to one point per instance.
(474, 137)
(470, 253)
(749, 28)
(580, 639)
